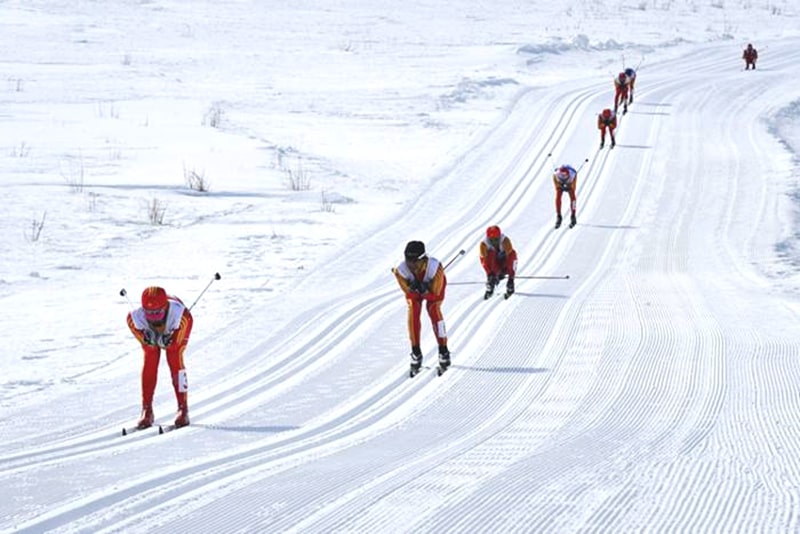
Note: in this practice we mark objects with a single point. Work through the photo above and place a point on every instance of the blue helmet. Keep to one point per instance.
(630, 72)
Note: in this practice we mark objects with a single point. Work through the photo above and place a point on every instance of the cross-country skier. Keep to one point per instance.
(565, 179)
(630, 74)
(422, 279)
(607, 120)
(750, 55)
(162, 322)
(499, 260)
(621, 92)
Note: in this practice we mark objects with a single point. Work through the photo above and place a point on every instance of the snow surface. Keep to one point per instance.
(654, 390)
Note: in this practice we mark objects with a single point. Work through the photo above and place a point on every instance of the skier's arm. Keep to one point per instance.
(139, 334)
(403, 282)
(484, 252)
(181, 334)
(437, 284)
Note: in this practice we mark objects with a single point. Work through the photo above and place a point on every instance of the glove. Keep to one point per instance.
(565, 187)
(417, 286)
(149, 337)
(165, 340)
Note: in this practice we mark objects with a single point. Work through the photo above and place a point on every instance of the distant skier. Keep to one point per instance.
(422, 279)
(607, 120)
(621, 92)
(162, 322)
(565, 179)
(630, 74)
(499, 260)
(750, 55)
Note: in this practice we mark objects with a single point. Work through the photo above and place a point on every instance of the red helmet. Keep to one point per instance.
(563, 170)
(154, 303)
(606, 113)
(493, 232)
(621, 76)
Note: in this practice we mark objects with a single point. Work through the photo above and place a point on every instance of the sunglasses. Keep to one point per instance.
(155, 315)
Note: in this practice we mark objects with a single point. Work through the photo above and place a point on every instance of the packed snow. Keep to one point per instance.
(644, 377)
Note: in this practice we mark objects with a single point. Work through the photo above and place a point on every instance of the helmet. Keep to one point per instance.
(621, 76)
(563, 170)
(749, 45)
(493, 232)
(629, 72)
(606, 113)
(415, 250)
(154, 303)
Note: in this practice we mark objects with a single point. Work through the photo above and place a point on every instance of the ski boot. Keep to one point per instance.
(491, 282)
(509, 288)
(147, 418)
(416, 361)
(444, 360)
(573, 220)
(558, 220)
(613, 143)
(182, 417)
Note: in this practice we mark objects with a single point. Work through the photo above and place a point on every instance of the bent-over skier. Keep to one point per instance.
(162, 322)
(422, 280)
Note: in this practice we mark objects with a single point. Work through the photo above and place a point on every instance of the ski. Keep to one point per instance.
(572, 224)
(412, 372)
(131, 429)
(440, 370)
(163, 429)
(506, 295)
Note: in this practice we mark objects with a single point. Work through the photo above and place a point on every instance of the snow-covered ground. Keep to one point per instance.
(656, 389)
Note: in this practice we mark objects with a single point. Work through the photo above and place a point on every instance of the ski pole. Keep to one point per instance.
(542, 277)
(123, 293)
(582, 164)
(454, 258)
(215, 277)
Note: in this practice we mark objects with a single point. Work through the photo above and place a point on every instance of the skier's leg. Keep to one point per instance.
(434, 308)
(152, 355)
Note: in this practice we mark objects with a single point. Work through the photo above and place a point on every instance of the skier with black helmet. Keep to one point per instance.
(162, 322)
(750, 55)
(498, 259)
(422, 279)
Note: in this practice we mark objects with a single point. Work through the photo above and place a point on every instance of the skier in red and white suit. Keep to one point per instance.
(498, 259)
(162, 322)
(621, 92)
(607, 120)
(422, 279)
(565, 180)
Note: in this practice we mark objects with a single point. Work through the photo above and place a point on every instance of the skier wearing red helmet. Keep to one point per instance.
(607, 120)
(621, 92)
(422, 279)
(565, 180)
(498, 259)
(162, 322)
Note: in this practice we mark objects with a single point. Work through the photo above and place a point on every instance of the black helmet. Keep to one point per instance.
(415, 250)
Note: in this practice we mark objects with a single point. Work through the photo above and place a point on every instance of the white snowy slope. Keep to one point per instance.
(654, 389)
